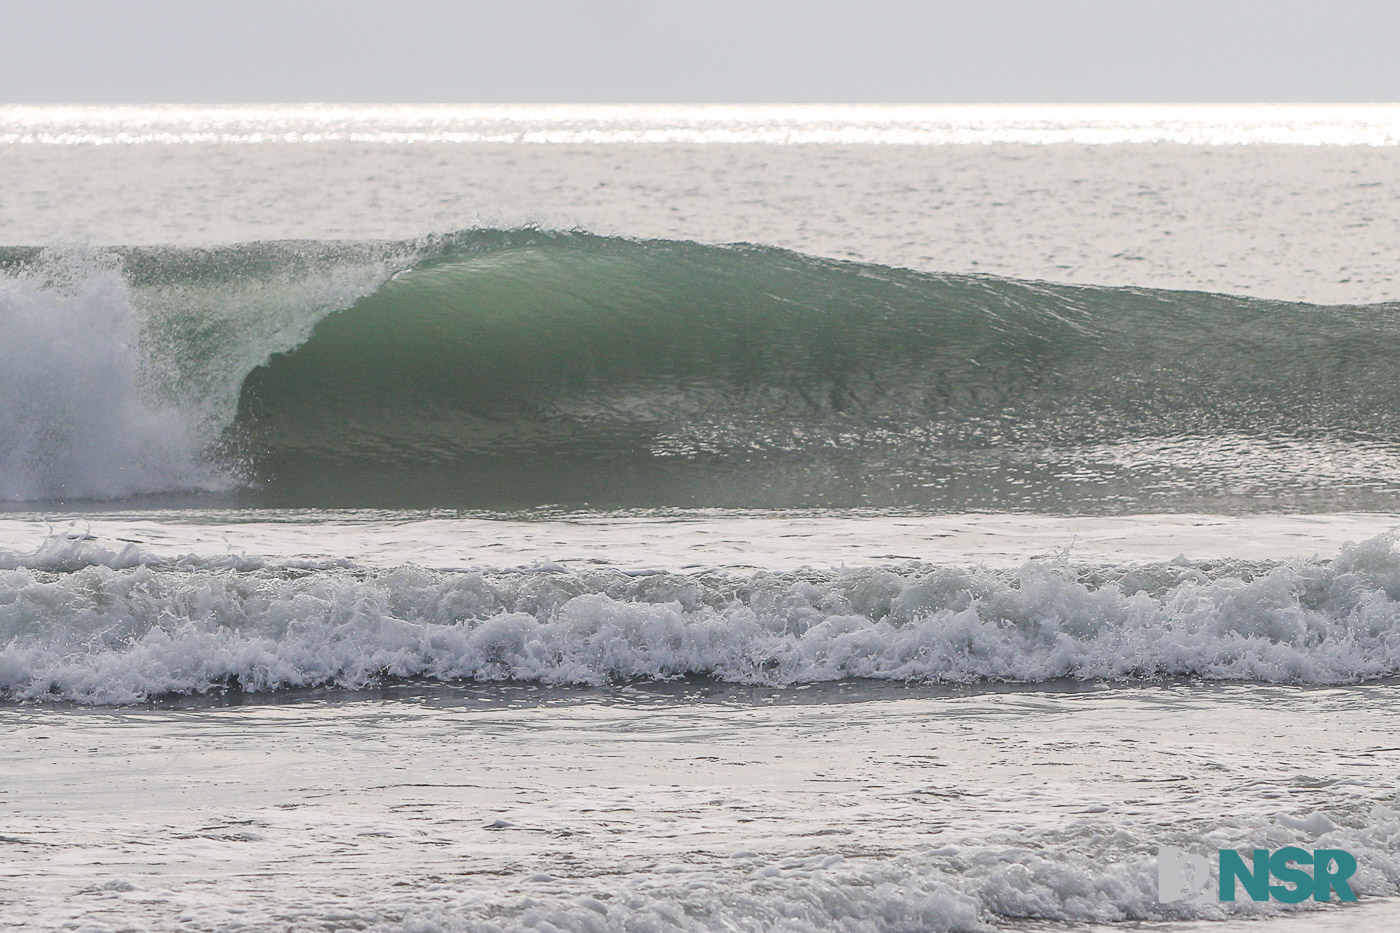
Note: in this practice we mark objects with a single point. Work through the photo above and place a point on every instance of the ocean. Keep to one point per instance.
(734, 518)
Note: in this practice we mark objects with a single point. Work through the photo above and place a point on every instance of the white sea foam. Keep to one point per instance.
(123, 627)
(854, 807)
(110, 390)
(74, 421)
(1076, 874)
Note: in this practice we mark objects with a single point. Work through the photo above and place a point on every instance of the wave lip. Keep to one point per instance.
(125, 627)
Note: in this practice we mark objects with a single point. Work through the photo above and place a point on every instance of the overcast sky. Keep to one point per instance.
(136, 51)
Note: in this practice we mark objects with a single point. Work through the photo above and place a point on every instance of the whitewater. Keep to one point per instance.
(643, 518)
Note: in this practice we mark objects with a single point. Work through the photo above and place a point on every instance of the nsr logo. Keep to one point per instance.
(1183, 876)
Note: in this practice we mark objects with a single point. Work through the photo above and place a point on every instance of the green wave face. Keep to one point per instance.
(514, 369)
(517, 369)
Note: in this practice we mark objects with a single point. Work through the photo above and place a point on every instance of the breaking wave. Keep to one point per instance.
(78, 622)
(510, 368)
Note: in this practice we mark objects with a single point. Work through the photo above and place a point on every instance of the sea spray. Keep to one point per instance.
(74, 419)
(120, 369)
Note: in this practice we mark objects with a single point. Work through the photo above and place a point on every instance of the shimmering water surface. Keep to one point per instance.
(693, 518)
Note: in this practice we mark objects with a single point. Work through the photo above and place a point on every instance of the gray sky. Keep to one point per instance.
(135, 51)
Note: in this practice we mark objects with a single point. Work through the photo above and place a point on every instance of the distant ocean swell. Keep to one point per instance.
(81, 623)
(512, 368)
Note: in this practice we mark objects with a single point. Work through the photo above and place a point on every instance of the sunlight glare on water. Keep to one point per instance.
(764, 124)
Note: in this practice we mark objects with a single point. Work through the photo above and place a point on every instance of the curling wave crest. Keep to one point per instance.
(504, 369)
